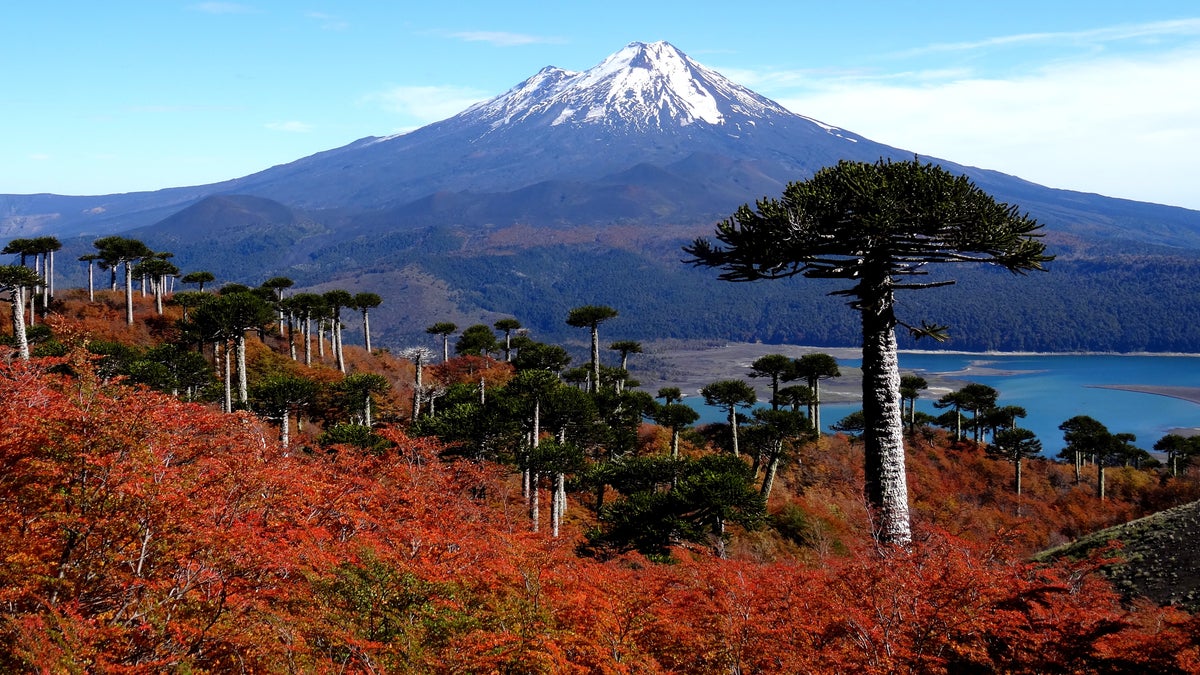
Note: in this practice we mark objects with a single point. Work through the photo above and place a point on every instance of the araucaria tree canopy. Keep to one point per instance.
(876, 225)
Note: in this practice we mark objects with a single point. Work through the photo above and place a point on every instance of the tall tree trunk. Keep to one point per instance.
(1100, 480)
(91, 281)
(417, 390)
(733, 429)
(772, 469)
(306, 331)
(18, 322)
(291, 336)
(674, 442)
(128, 293)
(558, 504)
(1018, 476)
(367, 330)
(337, 346)
(814, 410)
(883, 435)
(228, 379)
(367, 410)
(241, 366)
(595, 384)
(534, 506)
(284, 423)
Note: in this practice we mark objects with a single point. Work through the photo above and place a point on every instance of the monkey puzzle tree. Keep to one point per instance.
(278, 395)
(775, 366)
(875, 225)
(90, 259)
(199, 278)
(443, 329)
(15, 279)
(1016, 444)
(812, 368)
(275, 284)
(335, 300)
(365, 302)
(730, 395)
(157, 270)
(911, 387)
(591, 316)
(508, 326)
(122, 251)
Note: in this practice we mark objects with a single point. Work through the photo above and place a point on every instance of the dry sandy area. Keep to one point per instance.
(690, 366)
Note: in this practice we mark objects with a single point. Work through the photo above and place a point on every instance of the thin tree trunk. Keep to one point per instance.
(883, 436)
(733, 429)
(1018, 476)
(337, 345)
(595, 384)
(18, 322)
(367, 330)
(815, 409)
(128, 294)
(306, 329)
(241, 365)
(1100, 481)
(772, 469)
(283, 429)
(674, 443)
(228, 401)
(534, 506)
(91, 281)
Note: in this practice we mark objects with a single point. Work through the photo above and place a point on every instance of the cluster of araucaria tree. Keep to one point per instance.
(875, 225)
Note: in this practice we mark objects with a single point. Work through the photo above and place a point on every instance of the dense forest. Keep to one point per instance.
(211, 480)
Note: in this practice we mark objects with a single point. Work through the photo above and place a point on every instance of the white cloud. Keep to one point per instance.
(328, 21)
(1122, 125)
(222, 8)
(502, 39)
(40, 157)
(426, 104)
(1098, 36)
(291, 126)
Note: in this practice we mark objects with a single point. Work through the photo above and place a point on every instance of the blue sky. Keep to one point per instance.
(121, 96)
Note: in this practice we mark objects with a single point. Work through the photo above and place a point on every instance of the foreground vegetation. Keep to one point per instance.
(212, 489)
(147, 533)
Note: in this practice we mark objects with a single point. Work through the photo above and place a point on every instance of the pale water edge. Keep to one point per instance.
(1148, 395)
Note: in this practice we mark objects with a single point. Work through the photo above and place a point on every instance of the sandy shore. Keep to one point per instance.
(1191, 394)
(691, 366)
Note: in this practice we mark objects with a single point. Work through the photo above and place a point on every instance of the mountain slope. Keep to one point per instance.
(510, 204)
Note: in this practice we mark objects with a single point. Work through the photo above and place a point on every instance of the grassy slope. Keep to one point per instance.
(1157, 556)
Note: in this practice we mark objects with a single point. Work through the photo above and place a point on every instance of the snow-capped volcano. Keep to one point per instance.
(644, 86)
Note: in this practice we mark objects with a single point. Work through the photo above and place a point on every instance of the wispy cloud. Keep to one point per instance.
(1087, 120)
(1142, 31)
(291, 126)
(503, 39)
(328, 21)
(40, 157)
(426, 104)
(222, 8)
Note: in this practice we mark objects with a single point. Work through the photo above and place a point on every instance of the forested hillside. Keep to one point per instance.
(484, 503)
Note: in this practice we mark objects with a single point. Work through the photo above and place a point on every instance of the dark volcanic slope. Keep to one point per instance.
(1161, 556)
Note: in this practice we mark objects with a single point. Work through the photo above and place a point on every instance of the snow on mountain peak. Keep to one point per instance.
(644, 86)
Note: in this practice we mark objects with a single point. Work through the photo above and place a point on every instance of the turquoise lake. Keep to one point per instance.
(1053, 388)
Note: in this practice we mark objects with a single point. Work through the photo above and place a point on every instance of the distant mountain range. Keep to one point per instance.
(579, 188)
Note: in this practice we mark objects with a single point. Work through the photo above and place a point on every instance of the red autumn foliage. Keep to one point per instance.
(141, 534)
